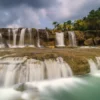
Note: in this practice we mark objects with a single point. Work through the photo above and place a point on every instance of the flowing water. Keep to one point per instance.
(22, 37)
(93, 66)
(76, 88)
(15, 37)
(72, 39)
(1, 41)
(30, 35)
(47, 80)
(31, 44)
(38, 40)
(60, 40)
(9, 35)
(20, 69)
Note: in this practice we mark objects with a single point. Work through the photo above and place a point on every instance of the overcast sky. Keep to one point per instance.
(41, 13)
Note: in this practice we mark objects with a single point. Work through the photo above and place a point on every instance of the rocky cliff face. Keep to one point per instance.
(88, 38)
(47, 37)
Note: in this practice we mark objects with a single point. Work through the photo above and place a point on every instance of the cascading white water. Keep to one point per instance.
(1, 41)
(30, 34)
(20, 70)
(0, 38)
(36, 70)
(15, 37)
(10, 69)
(57, 68)
(9, 34)
(60, 39)
(98, 61)
(22, 36)
(38, 40)
(93, 66)
(72, 39)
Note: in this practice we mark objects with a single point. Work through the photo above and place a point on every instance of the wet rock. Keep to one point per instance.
(89, 42)
(97, 40)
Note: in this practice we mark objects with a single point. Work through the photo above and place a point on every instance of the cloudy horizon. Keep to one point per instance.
(41, 13)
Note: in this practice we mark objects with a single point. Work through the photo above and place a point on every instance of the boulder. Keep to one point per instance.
(97, 40)
(89, 42)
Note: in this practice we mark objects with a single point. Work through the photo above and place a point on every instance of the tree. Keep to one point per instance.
(89, 22)
(55, 24)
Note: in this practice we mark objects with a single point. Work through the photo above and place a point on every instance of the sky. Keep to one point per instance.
(41, 13)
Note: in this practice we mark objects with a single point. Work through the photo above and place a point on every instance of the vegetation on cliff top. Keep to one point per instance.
(89, 22)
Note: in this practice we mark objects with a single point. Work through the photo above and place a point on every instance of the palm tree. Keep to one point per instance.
(55, 24)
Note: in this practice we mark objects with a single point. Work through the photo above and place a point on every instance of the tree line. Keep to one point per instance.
(90, 22)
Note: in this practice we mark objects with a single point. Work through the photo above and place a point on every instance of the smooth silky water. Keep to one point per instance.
(86, 87)
(76, 88)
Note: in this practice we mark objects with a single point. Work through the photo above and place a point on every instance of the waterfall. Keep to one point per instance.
(0, 38)
(57, 68)
(15, 37)
(60, 40)
(98, 61)
(1, 41)
(36, 69)
(93, 66)
(9, 34)
(30, 34)
(72, 39)
(38, 40)
(20, 69)
(22, 36)
(10, 68)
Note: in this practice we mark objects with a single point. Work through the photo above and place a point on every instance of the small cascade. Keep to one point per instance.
(0, 38)
(30, 38)
(64, 67)
(9, 35)
(10, 68)
(22, 36)
(1, 41)
(38, 40)
(30, 34)
(36, 70)
(93, 66)
(15, 37)
(60, 40)
(98, 61)
(20, 69)
(72, 39)
(57, 68)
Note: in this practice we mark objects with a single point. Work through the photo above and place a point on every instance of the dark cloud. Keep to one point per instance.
(22, 16)
(32, 3)
(27, 13)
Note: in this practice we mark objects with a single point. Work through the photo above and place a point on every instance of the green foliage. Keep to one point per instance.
(90, 22)
(63, 27)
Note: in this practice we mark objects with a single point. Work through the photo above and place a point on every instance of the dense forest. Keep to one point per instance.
(89, 22)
